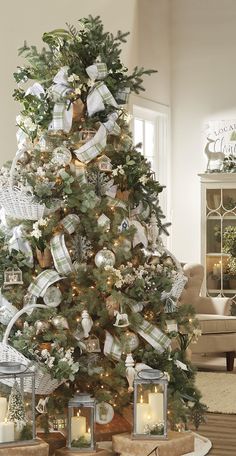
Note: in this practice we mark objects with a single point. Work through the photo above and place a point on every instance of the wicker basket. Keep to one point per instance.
(18, 203)
(44, 383)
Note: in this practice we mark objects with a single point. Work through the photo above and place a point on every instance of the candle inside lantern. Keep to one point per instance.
(3, 408)
(78, 426)
(142, 416)
(87, 436)
(156, 405)
(6, 431)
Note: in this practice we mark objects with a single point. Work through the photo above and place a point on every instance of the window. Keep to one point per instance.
(151, 129)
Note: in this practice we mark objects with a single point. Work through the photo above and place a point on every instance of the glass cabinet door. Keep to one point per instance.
(220, 226)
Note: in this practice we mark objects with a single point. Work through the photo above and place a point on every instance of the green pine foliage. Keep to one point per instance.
(139, 275)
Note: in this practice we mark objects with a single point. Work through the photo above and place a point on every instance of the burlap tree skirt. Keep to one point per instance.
(178, 443)
(67, 452)
(40, 448)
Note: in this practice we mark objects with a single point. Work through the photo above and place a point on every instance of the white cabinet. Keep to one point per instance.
(218, 211)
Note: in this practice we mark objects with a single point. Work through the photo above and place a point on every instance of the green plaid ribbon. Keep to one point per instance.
(112, 347)
(97, 71)
(122, 95)
(70, 223)
(154, 336)
(60, 254)
(111, 125)
(99, 95)
(62, 111)
(92, 148)
(115, 202)
(43, 281)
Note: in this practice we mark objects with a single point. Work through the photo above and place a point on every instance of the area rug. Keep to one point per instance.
(218, 391)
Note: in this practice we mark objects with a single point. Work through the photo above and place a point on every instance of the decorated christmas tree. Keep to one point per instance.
(82, 265)
(16, 410)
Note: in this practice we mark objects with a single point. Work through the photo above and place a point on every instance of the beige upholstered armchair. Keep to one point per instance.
(218, 327)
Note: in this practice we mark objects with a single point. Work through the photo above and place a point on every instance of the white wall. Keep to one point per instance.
(154, 48)
(203, 87)
(28, 19)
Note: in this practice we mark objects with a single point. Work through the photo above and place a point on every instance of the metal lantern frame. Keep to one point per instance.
(82, 401)
(152, 377)
(10, 372)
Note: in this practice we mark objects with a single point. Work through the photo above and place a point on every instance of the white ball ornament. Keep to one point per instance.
(104, 258)
(52, 297)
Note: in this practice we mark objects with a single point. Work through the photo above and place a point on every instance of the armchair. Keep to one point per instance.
(217, 326)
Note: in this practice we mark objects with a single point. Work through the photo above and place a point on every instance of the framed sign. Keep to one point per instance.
(219, 142)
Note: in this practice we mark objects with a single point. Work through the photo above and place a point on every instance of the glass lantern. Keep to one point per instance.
(150, 405)
(17, 404)
(81, 418)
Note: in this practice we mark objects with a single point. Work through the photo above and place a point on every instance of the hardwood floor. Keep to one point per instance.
(221, 430)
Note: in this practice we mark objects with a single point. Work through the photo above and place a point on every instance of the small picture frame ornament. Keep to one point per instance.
(104, 163)
(12, 277)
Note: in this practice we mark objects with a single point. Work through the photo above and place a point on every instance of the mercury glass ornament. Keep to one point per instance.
(131, 341)
(41, 326)
(52, 297)
(61, 156)
(104, 258)
(60, 322)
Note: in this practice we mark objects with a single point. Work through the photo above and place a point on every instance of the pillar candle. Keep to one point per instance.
(156, 405)
(6, 431)
(3, 408)
(87, 436)
(142, 416)
(78, 427)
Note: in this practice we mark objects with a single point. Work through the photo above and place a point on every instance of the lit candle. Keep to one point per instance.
(87, 436)
(6, 431)
(3, 408)
(142, 416)
(156, 404)
(78, 426)
(215, 269)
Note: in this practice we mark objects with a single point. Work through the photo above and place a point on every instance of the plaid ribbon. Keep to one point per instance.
(122, 95)
(111, 125)
(62, 111)
(115, 202)
(7, 310)
(97, 71)
(112, 347)
(43, 281)
(92, 148)
(99, 94)
(170, 298)
(154, 336)
(70, 223)
(98, 97)
(109, 189)
(61, 257)
(139, 235)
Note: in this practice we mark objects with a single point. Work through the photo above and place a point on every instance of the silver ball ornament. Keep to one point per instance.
(104, 258)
